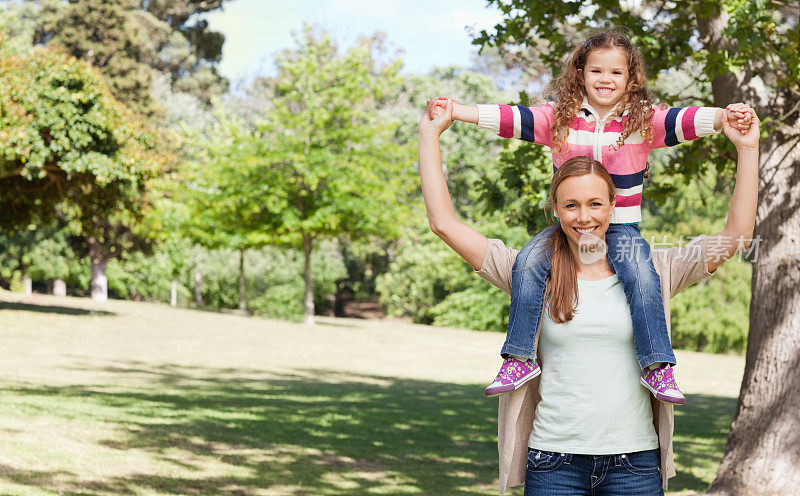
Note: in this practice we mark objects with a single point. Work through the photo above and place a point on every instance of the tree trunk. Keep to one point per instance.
(308, 300)
(173, 299)
(198, 288)
(763, 451)
(27, 284)
(98, 286)
(242, 282)
(59, 288)
(99, 283)
(337, 298)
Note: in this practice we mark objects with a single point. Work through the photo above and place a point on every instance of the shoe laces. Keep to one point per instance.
(664, 375)
(504, 369)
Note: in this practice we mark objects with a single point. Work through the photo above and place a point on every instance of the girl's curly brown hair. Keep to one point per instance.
(568, 90)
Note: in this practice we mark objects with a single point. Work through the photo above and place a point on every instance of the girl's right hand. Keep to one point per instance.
(442, 121)
(436, 105)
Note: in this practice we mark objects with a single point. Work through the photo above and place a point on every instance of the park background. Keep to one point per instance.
(254, 166)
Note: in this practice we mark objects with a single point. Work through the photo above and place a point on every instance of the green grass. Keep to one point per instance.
(137, 399)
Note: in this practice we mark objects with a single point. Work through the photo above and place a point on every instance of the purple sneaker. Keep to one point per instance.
(661, 383)
(513, 374)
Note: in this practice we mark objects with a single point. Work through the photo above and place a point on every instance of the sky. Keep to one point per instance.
(430, 32)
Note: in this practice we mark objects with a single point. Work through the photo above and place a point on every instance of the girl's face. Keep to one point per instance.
(605, 78)
(582, 204)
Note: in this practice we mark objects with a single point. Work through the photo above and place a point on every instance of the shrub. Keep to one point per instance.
(714, 316)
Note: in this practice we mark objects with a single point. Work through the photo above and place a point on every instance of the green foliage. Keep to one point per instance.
(141, 277)
(130, 42)
(280, 285)
(322, 163)
(274, 282)
(423, 273)
(108, 34)
(185, 47)
(480, 307)
(44, 252)
(713, 316)
(328, 161)
(519, 186)
(63, 135)
(468, 153)
(223, 191)
(431, 284)
(19, 23)
(364, 261)
(52, 257)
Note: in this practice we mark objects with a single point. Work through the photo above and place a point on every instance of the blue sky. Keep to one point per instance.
(431, 32)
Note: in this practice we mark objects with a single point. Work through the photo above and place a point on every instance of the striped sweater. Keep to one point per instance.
(590, 136)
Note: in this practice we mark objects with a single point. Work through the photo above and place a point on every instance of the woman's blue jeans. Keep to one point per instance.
(566, 474)
(629, 257)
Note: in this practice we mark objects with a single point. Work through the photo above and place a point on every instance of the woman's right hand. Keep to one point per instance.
(437, 126)
(743, 140)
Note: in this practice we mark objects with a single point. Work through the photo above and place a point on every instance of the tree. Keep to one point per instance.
(111, 36)
(325, 163)
(221, 193)
(189, 51)
(729, 51)
(66, 145)
(130, 41)
(17, 247)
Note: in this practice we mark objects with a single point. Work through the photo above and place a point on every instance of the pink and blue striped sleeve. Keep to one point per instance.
(672, 126)
(526, 123)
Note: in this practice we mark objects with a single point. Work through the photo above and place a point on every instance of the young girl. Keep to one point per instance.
(603, 109)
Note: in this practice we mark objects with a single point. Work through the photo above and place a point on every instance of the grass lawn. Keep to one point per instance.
(126, 398)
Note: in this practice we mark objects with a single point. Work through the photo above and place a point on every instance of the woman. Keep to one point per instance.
(556, 434)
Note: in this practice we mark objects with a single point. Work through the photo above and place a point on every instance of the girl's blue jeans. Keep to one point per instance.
(629, 257)
(567, 474)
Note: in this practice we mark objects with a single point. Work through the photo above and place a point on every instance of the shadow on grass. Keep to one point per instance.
(317, 432)
(701, 432)
(29, 307)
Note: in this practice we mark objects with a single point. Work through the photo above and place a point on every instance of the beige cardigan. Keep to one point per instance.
(677, 267)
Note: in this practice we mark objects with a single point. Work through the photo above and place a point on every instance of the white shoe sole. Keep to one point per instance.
(516, 385)
(664, 398)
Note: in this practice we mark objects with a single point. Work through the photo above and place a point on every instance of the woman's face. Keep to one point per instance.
(584, 209)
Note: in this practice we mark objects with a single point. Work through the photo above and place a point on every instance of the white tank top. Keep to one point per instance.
(592, 401)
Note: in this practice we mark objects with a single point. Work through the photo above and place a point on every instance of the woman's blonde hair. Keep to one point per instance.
(567, 90)
(562, 291)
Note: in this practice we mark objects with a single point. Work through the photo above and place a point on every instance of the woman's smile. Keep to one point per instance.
(585, 230)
